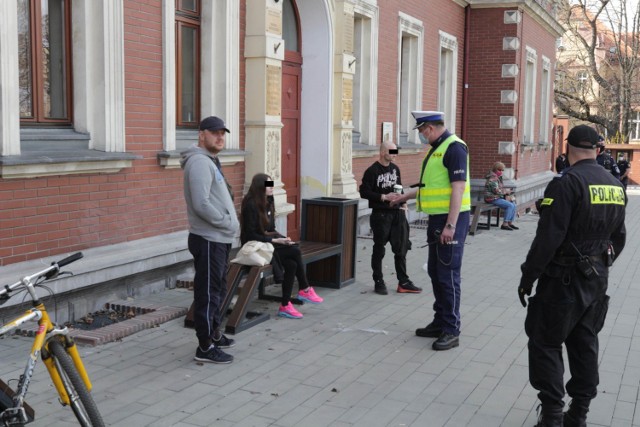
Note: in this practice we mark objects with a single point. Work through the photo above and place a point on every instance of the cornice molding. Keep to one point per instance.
(531, 7)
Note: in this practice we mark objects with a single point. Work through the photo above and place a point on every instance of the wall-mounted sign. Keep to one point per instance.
(347, 100)
(347, 42)
(387, 131)
(274, 90)
(274, 21)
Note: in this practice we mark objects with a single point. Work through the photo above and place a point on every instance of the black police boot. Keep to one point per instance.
(429, 331)
(445, 342)
(576, 416)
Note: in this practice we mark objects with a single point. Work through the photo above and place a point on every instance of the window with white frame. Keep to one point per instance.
(545, 104)
(93, 110)
(410, 48)
(528, 114)
(365, 86)
(188, 63)
(448, 79)
(582, 80)
(219, 72)
(44, 61)
(634, 128)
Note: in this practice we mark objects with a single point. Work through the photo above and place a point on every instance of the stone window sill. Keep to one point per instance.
(49, 152)
(171, 159)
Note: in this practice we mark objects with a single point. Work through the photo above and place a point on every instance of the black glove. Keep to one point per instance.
(526, 285)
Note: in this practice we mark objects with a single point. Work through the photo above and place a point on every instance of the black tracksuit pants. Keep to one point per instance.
(389, 226)
(211, 263)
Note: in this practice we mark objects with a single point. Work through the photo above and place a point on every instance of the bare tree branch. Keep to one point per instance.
(604, 39)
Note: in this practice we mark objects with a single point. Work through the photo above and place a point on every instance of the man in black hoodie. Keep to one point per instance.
(388, 223)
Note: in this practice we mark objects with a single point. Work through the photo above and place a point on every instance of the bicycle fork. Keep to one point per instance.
(53, 368)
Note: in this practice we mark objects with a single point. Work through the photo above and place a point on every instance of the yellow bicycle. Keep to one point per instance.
(58, 351)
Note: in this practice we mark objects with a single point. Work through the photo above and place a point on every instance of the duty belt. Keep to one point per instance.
(568, 261)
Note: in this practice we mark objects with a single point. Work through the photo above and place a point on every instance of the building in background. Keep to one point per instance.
(597, 81)
(97, 99)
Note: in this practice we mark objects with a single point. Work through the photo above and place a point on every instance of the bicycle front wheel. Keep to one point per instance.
(82, 403)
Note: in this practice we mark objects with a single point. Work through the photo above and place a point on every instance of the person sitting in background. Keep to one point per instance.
(496, 194)
(257, 222)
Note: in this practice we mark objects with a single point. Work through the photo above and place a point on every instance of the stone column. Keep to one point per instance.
(264, 53)
(9, 99)
(343, 182)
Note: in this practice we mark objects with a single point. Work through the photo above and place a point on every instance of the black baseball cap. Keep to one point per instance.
(583, 136)
(213, 123)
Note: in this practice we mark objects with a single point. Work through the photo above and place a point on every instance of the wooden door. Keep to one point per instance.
(291, 73)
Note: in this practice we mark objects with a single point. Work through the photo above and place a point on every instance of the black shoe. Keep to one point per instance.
(213, 355)
(506, 227)
(513, 227)
(576, 416)
(408, 288)
(429, 331)
(224, 342)
(549, 417)
(380, 288)
(446, 342)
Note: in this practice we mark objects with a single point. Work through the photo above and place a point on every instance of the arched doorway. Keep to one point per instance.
(291, 113)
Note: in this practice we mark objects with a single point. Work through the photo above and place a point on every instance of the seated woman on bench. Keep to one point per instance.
(496, 194)
(257, 222)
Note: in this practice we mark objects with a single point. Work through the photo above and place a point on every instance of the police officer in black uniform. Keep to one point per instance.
(580, 232)
(606, 160)
(624, 166)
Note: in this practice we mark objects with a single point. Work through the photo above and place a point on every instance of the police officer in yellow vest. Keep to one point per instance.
(444, 194)
(580, 233)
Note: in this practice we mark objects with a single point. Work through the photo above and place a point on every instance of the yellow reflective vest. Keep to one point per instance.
(434, 195)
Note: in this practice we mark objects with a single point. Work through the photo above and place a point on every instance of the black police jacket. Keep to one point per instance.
(584, 206)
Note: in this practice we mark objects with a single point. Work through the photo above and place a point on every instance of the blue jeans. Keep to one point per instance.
(509, 208)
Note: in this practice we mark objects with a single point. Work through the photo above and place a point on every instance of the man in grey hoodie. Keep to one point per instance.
(213, 225)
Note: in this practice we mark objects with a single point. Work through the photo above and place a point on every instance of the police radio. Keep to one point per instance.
(584, 264)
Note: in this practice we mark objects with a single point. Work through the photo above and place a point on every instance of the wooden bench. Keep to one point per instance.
(240, 318)
(477, 209)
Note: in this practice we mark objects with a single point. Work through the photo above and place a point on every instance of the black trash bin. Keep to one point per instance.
(331, 220)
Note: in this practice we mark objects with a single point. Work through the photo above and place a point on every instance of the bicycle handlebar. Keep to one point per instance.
(48, 273)
(69, 259)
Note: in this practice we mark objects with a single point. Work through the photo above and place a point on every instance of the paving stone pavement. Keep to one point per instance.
(354, 360)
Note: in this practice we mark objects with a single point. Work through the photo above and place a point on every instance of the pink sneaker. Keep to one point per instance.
(309, 296)
(289, 311)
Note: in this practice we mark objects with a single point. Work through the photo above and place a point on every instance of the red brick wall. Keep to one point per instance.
(41, 217)
(440, 15)
(536, 37)
(486, 57)
(487, 30)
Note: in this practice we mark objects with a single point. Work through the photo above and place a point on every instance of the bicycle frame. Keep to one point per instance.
(46, 331)
(46, 335)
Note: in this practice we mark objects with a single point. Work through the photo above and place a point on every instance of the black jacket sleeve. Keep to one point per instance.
(552, 228)
(368, 187)
(251, 224)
